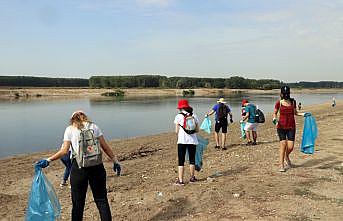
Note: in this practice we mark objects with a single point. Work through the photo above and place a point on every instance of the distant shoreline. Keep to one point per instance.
(40, 93)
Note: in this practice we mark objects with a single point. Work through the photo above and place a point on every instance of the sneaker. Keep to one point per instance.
(178, 183)
(282, 169)
(193, 179)
(217, 147)
(254, 143)
(224, 148)
(249, 143)
(63, 183)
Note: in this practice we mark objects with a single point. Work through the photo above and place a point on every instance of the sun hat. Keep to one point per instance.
(75, 112)
(182, 104)
(244, 101)
(221, 100)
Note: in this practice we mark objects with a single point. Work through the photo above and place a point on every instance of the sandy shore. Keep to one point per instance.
(244, 183)
(41, 93)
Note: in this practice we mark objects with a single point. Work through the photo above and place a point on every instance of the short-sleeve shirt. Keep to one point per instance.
(72, 134)
(251, 109)
(183, 137)
(286, 119)
(216, 109)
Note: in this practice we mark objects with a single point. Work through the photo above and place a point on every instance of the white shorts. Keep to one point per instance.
(250, 126)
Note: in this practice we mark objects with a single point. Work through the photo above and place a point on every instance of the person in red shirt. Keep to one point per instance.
(286, 107)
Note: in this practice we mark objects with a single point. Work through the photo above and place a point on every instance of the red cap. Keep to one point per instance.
(244, 101)
(182, 104)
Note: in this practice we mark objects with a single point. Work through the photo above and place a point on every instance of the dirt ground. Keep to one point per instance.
(241, 183)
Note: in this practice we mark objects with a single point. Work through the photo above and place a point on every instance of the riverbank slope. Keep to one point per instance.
(242, 182)
(41, 93)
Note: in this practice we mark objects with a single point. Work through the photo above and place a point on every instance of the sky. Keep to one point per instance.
(288, 40)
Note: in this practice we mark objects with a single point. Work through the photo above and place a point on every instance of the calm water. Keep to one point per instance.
(29, 126)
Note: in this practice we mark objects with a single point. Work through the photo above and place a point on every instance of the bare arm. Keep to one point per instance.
(107, 149)
(275, 113)
(177, 128)
(63, 151)
(210, 112)
(246, 116)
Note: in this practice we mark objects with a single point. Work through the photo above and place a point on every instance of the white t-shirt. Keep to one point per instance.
(183, 137)
(72, 134)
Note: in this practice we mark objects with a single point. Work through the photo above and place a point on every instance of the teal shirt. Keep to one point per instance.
(251, 108)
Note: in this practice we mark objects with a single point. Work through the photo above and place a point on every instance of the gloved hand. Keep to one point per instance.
(275, 121)
(42, 163)
(117, 168)
(307, 114)
(231, 121)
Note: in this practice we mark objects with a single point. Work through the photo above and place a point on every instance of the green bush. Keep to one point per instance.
(188, 93)
(116, 93)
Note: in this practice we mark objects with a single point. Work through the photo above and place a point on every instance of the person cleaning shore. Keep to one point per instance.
(85, 138)
(221, 110)
(186, 126)
(287, 109)
(251, 124)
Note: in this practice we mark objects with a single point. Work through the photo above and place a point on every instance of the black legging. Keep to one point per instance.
(79, 179)
(181, 150)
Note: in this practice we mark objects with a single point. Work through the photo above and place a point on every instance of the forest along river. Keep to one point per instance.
(38, 125)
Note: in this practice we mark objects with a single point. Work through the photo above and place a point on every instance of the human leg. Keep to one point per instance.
(181, 148)
(283, 148)
(97, 182)
(79, 185)
(247, 129)
(290, 145)
(254, 136)
(224, 133)
(191, 153)
(282, 153)
(217, 127)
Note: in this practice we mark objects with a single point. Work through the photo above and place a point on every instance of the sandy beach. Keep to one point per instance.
(241, 183)
(66, 93)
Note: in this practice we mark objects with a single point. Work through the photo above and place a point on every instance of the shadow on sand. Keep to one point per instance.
(176, 209)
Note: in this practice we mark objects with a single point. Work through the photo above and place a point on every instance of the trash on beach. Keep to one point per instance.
(236, 195)
(210, 179)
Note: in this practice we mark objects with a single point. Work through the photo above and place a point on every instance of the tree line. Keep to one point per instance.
(24, 81)
(158, 81)
(320, 84)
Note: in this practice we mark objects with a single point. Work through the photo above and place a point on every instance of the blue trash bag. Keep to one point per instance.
(199, 152)
(309, 136)
(43, 202)
(243, 135)
(206, 125)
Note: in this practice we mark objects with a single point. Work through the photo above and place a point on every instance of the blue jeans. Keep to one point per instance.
(67, 163)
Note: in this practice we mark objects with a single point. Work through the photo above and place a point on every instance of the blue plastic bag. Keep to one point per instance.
(43, 202)
(243, 135)
(309, 136)
(206, 125)
(199, 152)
